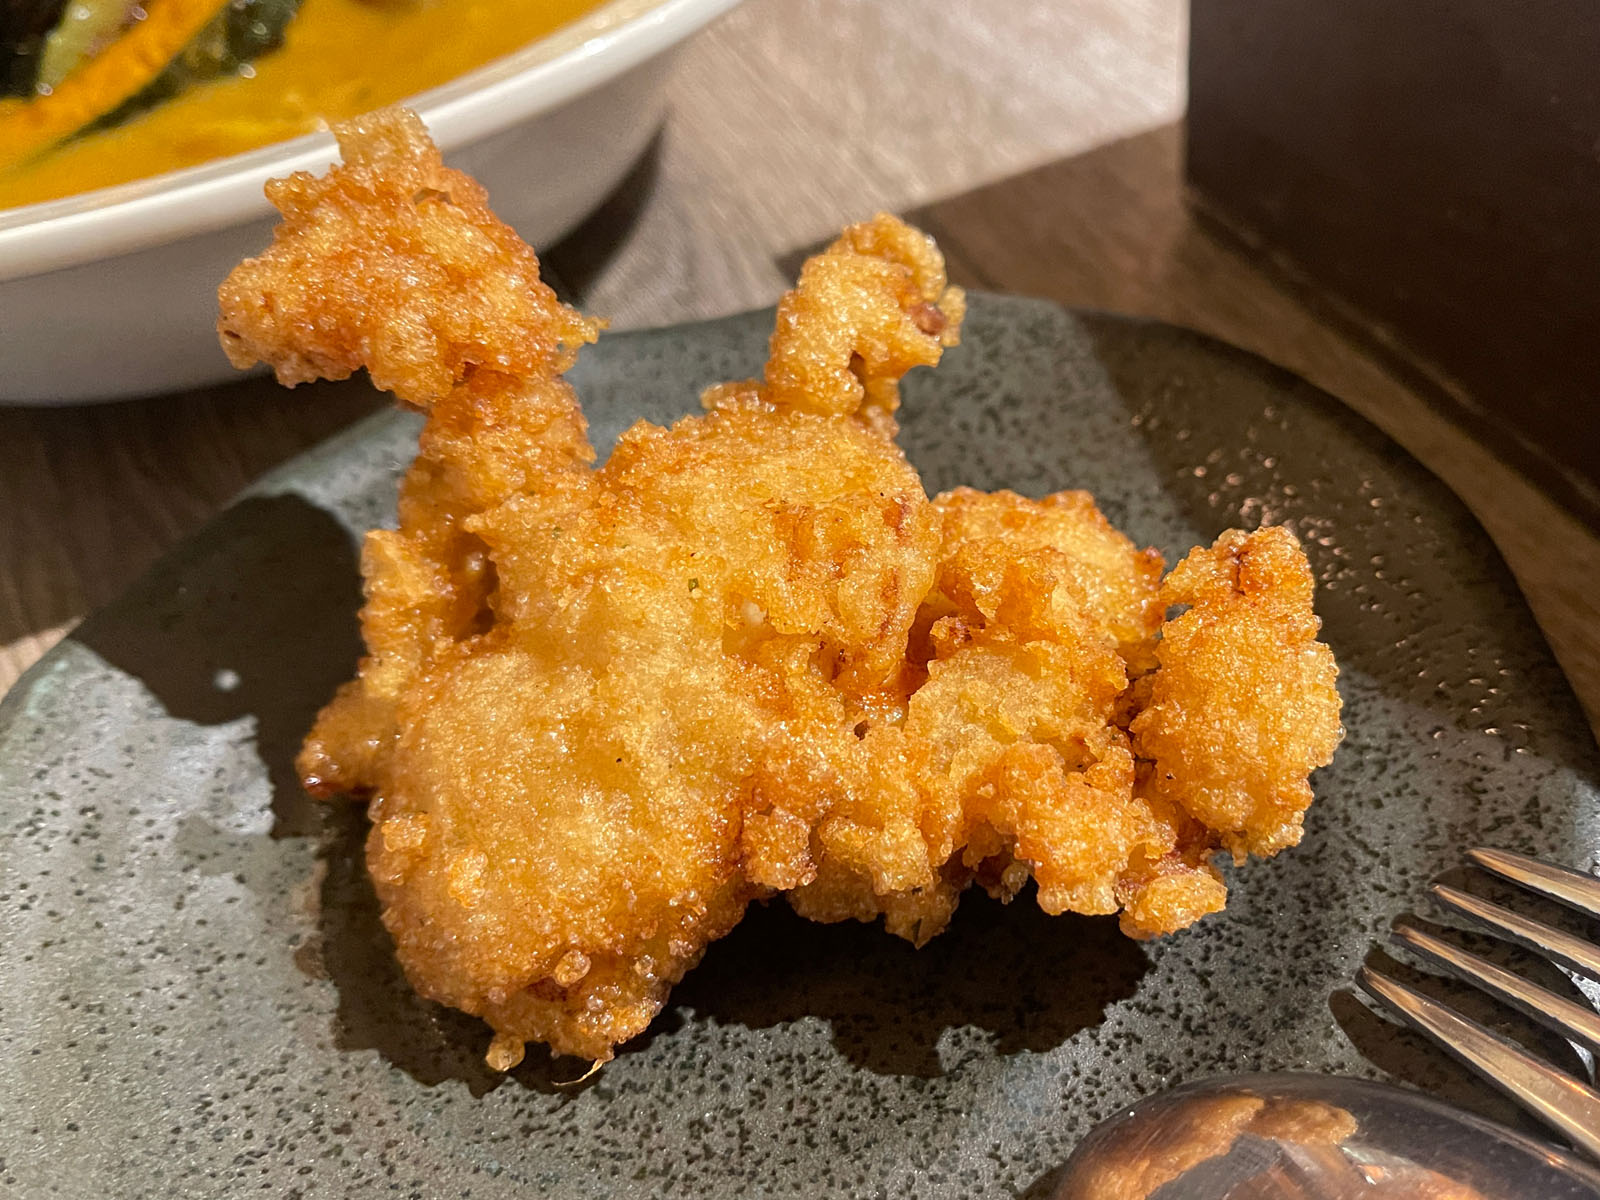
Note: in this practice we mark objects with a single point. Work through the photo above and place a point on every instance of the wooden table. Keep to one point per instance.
(1038, 141)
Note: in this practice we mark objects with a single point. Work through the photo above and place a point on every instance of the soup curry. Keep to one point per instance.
(117, 90)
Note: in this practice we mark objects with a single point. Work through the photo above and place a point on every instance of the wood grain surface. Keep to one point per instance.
(1038, 140)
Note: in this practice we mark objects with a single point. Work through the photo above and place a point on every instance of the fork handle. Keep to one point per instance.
(1550, 1095)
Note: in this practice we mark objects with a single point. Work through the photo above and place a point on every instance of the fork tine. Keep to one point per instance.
(1570, 951)
(1572, 888)
(1551, 1095)
(1570, 1020)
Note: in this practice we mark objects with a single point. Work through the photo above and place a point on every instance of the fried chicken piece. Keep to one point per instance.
(1018, 764)
(1118, 583)
(572, 674)
(604, 709)
(1043, 634)
(1243, 707)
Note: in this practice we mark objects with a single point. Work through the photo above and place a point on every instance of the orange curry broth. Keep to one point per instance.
(339, 58)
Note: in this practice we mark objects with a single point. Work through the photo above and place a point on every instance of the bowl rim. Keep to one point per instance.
(548, 72)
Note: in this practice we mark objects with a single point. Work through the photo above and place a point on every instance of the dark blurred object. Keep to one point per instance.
(1434, 165)
(240, 31)
(24, 24)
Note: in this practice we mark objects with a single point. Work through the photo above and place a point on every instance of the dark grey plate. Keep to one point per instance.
(196, 997)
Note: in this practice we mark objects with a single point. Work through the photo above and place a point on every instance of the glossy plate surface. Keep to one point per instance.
(196, 997)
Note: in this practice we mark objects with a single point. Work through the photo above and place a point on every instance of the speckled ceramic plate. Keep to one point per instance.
(197, 999)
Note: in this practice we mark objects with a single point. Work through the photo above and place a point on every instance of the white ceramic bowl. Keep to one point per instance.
(112, 293)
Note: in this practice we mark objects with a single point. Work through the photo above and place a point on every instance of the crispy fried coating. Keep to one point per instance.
(1115, 583)
(325, 301)
(1243, 707)
(603, 709)
(867, 310)
(1043, 635)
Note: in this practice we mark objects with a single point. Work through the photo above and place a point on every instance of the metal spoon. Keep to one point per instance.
(1313, 1137)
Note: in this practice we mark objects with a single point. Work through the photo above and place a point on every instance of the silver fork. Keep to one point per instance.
(1552, 1095)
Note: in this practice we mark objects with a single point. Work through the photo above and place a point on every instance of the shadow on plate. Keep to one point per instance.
(1022, 980)
(1025, 980)
(157, 471)
(271, 585)
(213, 632)
(377, 1008)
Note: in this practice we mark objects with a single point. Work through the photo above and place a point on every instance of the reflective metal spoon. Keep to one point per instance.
(1313, 1137)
